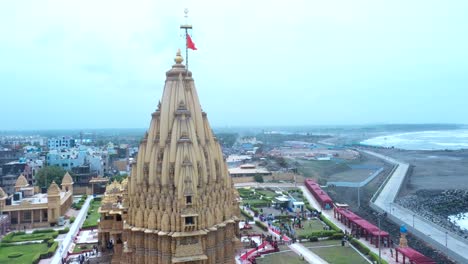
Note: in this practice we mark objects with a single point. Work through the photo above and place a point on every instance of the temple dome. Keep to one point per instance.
(67, 179)
(53, 189)
(21, 181)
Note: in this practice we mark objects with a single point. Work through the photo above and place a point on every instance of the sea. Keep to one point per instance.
(461, 220)
(423, 140)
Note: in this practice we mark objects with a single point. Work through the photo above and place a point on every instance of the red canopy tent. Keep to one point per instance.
(362, 227)
(413, 256)
(322, 197)
(345, 216)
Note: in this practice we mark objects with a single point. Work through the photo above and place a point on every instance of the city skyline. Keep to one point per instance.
(71, 66)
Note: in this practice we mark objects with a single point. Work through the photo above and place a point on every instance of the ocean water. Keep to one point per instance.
(424, 140)
(460, 220)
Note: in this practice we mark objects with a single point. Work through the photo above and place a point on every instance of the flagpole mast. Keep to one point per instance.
(186, 27)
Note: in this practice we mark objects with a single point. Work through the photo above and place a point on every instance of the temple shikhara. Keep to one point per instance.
(179, 204)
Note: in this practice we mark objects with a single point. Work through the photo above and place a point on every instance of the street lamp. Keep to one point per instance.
(379, 215)
(446, 234)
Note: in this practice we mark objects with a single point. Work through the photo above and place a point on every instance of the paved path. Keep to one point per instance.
(431, 233)
(308, 255)
(68, 239)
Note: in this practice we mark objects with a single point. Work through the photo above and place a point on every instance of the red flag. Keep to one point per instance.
(190, 44)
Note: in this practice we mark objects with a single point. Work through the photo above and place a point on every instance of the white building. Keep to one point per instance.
(61, 142)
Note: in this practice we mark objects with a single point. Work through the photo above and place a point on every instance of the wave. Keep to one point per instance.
(424, 140)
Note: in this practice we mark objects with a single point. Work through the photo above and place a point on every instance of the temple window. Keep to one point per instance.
(189, 220)
(188, 200)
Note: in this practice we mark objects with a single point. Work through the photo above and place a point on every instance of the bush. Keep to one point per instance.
(375, 258)
(325, 233)
(39, 231)
(15, 255)
(337, 236)
(261, 225)
(313, 239)
(255, 210)
(258, 178)
(247, 215)
(359, 246)
(64, 231)
(72, 219)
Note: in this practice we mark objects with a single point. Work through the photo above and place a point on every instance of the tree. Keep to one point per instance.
(258, 178)
(46, 175)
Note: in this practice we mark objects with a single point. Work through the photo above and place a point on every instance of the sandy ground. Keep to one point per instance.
(433, 170)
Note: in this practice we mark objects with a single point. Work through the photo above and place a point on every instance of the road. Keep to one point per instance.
(68, 239)
(427, 231)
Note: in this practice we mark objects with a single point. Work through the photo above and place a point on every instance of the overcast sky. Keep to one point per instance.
(101, 64)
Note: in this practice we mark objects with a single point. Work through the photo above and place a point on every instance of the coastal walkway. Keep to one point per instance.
(440, 238)
(75, 227)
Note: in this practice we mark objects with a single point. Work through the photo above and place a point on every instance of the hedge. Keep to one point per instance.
(43, 231)
(64, 231)
(330, 224)
(325, 233)
(366, 251)
(261, 225)
(255, 210)
(247, 215)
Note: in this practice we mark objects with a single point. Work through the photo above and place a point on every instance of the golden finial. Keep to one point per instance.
(178, 59)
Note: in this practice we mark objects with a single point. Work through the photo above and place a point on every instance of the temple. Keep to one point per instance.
(179, 204)
(28, 208)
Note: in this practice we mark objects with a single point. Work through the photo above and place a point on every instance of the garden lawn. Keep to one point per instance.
(266, 193)
(29, 253)
(288, 257)
(332, 252)
(93, 215)
(310, 226)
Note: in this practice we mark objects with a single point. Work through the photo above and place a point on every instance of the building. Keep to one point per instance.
(76, 157)
(181, 204)
(27, 209)
(248, 170)
(61, 142)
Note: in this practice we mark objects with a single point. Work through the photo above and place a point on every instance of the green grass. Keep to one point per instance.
(266, 193)
(30, 252)
(288, 257)
(335, 253)
(93, 215)
(309, 226)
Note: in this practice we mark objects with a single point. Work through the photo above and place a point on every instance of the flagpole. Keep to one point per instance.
(186, 27)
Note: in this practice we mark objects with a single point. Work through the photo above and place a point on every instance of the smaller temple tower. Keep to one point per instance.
(67, 183)
(21, 182)
(53, 203)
